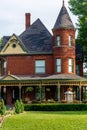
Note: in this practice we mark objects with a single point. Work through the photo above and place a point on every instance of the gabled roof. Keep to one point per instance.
(63, 20)
(37, 39)
(8, 40)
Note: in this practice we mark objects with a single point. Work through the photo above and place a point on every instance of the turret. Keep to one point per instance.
(64, 43)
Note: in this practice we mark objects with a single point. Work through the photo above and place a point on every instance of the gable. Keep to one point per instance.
(13, 46)
(9, 77)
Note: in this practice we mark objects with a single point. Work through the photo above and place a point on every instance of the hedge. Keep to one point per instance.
(55, 107)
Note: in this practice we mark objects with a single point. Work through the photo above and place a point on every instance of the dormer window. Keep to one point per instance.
(57, 40)
(70, 40)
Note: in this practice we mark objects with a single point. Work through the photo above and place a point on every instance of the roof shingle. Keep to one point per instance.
(63, 20)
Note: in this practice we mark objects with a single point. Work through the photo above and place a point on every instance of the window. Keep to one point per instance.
(40, 66)
(58, 65)
(70, 41)
(58, 40)
(71, 65)
(4, 67)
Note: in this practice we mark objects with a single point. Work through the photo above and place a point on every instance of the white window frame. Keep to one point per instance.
(57, 40)
(70, 65)
(40, 66)
(70, 40)
(4, 67)
(58, 65)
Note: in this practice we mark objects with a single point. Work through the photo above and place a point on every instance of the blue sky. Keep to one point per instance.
(12, 14)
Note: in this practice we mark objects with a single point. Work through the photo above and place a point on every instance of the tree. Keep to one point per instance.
(79, 8)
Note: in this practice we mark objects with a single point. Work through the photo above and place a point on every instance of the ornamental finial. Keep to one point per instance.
(63, 2)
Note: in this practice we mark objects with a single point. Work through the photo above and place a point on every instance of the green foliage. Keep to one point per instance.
(19, 106)
(55, 107)
(79, 8)
(29, 89)
(2, 107)
(85, 95)
(0, 41)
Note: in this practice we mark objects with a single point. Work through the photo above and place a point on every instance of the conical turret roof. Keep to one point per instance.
(63, 20)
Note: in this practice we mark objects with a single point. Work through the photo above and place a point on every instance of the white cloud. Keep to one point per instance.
(12, 14)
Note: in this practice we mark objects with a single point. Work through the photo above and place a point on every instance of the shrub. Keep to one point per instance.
(2, 107)
(19, 106)
(55, 107)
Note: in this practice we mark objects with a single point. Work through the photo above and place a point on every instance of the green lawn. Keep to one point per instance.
(46, 121)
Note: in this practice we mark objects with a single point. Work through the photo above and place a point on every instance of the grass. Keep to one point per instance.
(46, 121)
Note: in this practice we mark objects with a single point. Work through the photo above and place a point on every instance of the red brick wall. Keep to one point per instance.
(64, 51)
(64, 33)
(24, 65)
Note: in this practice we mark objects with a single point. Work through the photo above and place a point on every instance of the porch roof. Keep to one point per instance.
(50, 77)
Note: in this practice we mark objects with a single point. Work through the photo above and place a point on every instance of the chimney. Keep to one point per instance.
(27, 20)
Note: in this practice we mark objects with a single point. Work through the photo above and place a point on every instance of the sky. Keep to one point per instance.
(12, 14)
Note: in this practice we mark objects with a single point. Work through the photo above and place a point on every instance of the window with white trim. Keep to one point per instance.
(4, 67)
(58, 65)
(40, 66)
(70, 41)
(58, 40)
(70, 65)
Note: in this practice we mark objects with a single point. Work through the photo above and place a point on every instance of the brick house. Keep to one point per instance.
(37, 65)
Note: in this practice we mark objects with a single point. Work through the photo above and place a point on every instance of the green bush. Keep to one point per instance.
(19, 106)
(55, 107)
(2, 107)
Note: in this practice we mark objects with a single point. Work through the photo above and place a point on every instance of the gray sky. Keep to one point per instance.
(12, 14)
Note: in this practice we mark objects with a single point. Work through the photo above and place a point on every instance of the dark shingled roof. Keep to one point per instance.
(37, 39)
(63, 20)
(4, 41)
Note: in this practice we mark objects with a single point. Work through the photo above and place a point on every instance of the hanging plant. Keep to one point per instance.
(48, 89)
(29, 89)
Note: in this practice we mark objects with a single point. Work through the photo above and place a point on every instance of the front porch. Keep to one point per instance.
(33, 88)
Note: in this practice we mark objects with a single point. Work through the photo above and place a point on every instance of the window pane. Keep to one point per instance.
(70, 68)
(58, 65)
(70, 61)
(70, 65)
(58, 61)
(58, 68)
(40, 66)
(40, 63)
(40, 70)
(70, 41)
(58, 40)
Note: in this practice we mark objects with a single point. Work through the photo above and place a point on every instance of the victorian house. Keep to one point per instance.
(38, 65)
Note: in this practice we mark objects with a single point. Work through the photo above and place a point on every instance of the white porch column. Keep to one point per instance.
(58, 88)
(40, 93)
(80, 93)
